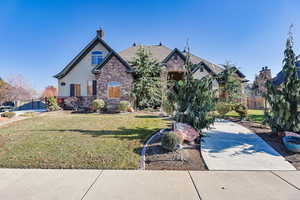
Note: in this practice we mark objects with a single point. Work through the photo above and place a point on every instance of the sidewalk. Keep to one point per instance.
(230, 146)
(38, 184)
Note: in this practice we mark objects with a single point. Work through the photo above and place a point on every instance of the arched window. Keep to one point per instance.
(97, 57)
(114, 90)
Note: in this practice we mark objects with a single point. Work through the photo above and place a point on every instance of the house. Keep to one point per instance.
(279, 79)
(255, 98)
(98, 71)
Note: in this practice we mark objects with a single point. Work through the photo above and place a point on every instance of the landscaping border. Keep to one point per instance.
(143, 158)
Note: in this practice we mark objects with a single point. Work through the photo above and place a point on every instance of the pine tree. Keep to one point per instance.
(193, 99)
(230, 85)
(147, 83)
(284, 99)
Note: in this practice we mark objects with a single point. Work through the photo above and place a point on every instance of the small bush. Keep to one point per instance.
(167, 106)
(123, 106)
(171, 140)
(8, 114)
(52, 105)
(222, 108)
(28, 114)
(98, 104)
(241, 110)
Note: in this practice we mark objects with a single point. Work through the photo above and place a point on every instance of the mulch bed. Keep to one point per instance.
(188, 158)
(273, 140)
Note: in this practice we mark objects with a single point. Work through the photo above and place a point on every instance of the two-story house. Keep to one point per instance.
(98, 71)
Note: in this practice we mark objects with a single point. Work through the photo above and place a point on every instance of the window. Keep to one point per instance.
(114, 90)
(92, 88)
(97, 57)
(75, 90)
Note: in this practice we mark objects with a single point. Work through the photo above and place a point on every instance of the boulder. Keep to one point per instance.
(188, 132)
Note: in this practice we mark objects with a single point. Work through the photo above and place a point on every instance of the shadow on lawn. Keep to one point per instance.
(140, 134)
(245, 143)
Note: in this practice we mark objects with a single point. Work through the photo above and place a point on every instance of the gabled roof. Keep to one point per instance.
(107, 58)
(162, 53)
(175, 51)
(81, 54)
(279, 78)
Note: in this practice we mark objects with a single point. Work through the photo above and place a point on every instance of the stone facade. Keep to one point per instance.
(114, 71)
(175, 63)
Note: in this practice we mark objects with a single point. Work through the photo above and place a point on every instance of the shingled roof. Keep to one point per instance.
(279, 79)
(161, 53)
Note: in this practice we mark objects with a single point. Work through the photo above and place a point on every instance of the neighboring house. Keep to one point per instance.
(98, 71)
(279, 79)
(255, 99)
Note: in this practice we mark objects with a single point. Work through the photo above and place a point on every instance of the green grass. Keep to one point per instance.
(63, 140)
(253, 115)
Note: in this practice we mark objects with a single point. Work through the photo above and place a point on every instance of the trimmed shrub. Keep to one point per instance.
(52, 105)
(98, 104)
(241, 110)
(28, 114)
(171, 140)
(8, 114)
(123, 106)
(222, 108)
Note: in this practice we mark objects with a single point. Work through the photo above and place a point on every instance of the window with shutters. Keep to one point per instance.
(92, 88)
(75, 90)
(114, 90)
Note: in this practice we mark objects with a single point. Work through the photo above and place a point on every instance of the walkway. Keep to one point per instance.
(230, 146)
(37, 184)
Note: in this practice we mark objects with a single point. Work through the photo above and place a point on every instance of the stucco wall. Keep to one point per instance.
(80, 74)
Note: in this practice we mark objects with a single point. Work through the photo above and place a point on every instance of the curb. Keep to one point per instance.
(143, 158)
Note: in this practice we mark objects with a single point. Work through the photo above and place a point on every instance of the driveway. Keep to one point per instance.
(230, 146)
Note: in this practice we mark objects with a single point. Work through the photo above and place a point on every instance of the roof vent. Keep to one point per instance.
(100, 33)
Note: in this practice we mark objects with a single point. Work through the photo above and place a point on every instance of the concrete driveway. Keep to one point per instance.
(230, 146)
(37, 184)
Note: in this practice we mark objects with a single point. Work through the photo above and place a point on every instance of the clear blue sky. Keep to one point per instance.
(38, 37)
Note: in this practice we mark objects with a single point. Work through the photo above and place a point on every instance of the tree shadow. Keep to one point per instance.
(147, 116)
(244, 143)
(122, 133)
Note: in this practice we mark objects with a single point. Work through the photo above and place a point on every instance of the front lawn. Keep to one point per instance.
(253, 115)
(64, 140)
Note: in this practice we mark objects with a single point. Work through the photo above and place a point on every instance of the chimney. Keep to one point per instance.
(134, 44)
(160, 44)
(100, 33)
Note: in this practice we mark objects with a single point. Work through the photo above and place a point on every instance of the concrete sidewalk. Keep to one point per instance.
(38, 184)
(230, 146)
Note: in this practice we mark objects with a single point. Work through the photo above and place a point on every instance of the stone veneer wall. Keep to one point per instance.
(175, 63)
(114, 70)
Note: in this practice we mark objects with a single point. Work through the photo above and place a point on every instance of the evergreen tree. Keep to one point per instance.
(193, 99)
(284, 99)
(147, 83)
(230, 85)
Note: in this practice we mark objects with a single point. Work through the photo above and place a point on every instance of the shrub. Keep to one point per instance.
(8, 114)
(28, 114)
(124, 105)
(222, 108)
(167, 106)
(171, 140)
(51, 104)
(241, 110)
(98, 104)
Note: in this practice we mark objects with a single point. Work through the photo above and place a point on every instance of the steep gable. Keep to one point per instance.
(82, 54)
